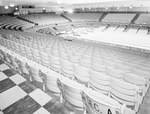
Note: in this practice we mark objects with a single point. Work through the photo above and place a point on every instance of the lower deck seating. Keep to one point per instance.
(84, 51)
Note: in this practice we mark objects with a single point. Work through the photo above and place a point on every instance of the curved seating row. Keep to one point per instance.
(88, 59)
(68, 89)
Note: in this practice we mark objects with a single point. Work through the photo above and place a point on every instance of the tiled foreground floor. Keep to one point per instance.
(19, 96)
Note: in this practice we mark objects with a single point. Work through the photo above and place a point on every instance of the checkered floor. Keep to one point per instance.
(19, 96)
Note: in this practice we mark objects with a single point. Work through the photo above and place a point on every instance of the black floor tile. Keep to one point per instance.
(55, 107)
(9, 72)
(6, 84)
(27, 105)
(27, 86)
(1, 62)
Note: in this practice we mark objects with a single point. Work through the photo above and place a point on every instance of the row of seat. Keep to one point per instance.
(44, 19)
(15, 21)
(70, 90)
(33, 67)
(78, 58)
(9, 26)
(75, 17)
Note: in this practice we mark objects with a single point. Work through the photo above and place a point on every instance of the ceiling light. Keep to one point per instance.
(59, 1)
(11, 5)
(6, 7)
(70, 11)
(130, 7)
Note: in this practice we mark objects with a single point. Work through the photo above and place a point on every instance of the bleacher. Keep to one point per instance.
(80, 17)
(76, 70)
(143, 19)
(44, 19)
(15, 21)
(118, 18)
(108, 70)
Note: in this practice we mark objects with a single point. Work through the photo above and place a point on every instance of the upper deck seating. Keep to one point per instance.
(44, 19)
(118, 18)
(84, 16)
(143, 19)
(15, 21)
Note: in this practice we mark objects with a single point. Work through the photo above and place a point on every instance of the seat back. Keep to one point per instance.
(45, 58)
(81, 74)
(12, 57)
(67, 68)
(22, 65)
(97, 103)
(28, 52)
(115, 73)
(50, 80)
(36, 55)
(125, 93)
(55, 63)
(137, 80)
(99, 81)
(34, 72)
(71, 93)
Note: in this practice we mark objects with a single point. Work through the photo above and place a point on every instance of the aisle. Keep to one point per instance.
(19, 96)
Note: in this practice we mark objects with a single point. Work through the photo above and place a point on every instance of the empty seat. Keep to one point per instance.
(45, 58)
(12, 57)
(36, 55)
(125, 93)
(50, 80)
(115, 73)
(67, 68)
(136, 80)
(55, 63)
(34, 72)
(81, 74)
(71, 93)
(97, 103)
(99, 81)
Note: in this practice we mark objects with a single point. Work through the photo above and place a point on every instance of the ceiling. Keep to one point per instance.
(56, 3)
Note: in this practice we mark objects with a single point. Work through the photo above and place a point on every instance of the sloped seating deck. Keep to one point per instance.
(118, 18)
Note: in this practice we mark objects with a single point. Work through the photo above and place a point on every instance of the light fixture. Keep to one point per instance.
(12, 5)
(59, 1)
(43, 8)
(16, 8)
(6, 7)
(70, 11)
(130, 7)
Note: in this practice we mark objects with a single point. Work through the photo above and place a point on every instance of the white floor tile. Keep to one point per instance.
(1, 112)
(41, 111)
(3, 67)
(40, 97)
(17, 79)
(2, 76)
(11, 96)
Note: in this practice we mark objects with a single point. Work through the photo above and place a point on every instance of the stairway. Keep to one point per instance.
(26, 20)
(135, 18)
(102, 17)
(66, 17)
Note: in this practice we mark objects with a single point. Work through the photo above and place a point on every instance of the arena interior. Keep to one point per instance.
(74, 56)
